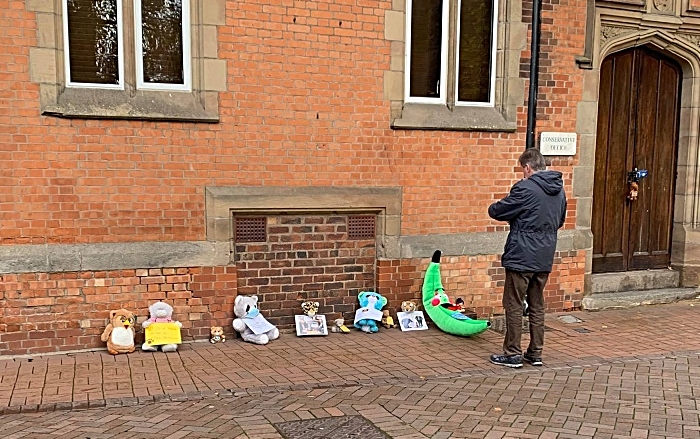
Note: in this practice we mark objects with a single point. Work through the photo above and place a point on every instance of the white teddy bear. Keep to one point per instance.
(252, 326)
(160, 312)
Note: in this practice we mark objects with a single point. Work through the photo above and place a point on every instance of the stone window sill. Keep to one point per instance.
(439, 117)
(83, 103)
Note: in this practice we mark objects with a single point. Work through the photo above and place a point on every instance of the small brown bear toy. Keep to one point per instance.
(634, 191)
(387, 320)
(217, 334)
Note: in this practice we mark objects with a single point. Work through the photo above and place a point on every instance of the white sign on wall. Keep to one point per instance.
(557, 143)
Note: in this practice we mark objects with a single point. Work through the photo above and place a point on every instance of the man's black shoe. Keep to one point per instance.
(535, 361)
(513, 361)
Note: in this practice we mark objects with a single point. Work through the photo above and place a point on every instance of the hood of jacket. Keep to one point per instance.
(551, 182)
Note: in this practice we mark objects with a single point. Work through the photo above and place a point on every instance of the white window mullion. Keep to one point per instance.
(186, 52)
(407, 54)
(444, 52)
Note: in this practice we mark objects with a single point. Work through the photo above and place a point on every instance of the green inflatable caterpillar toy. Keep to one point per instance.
(444, 314)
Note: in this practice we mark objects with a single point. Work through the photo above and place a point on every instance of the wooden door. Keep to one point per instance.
(638, 112)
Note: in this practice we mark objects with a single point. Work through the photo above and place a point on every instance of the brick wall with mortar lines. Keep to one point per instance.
(305, 103)
(305, 91)
(49, 312)
(306, 258)
(562, 38)
(479, 280)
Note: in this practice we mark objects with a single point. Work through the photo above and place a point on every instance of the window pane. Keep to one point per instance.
(161, 27)
(426, 48)
(93, 41)
(475, 51)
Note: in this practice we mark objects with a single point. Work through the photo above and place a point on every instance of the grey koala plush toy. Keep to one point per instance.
(250, 324)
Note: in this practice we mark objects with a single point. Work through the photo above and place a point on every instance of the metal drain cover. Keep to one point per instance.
(336, 427)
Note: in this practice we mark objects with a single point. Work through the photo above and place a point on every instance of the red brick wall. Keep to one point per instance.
(479, 280)
(305, 106)
(306, 258)
(562, 38)
(48, 312)
(305, 93)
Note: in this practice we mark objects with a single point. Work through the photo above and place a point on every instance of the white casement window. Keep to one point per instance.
(94, 49)
(163, 56)
(430, 77)
(94, 44)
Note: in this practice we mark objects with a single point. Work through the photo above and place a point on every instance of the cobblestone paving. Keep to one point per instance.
(615, 374)
(643, 398)
(91, 379)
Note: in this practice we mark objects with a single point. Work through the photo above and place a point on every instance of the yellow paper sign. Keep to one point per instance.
(163, 333)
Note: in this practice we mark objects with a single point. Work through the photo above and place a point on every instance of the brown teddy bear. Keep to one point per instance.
(217, 334)
(119, 333)
(387, 320)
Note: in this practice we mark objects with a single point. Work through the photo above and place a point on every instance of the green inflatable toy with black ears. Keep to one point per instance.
(449, 320)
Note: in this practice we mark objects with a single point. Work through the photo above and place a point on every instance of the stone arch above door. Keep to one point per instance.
(615, 33)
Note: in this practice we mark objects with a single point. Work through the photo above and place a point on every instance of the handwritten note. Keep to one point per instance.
(163, 333)
(258, 324)
(367, 313)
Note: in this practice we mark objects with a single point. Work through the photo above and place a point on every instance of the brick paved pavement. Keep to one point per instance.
(632, 375)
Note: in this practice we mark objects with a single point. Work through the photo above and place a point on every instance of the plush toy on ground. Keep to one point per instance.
(252, 326)
(311, 323)
(217, 334)
(408, 306)
(339, 326)
(310, 308)
(160, 312)
(441, 299)
(387, 320)
(119, 333)
(450, 321)
(370, 313)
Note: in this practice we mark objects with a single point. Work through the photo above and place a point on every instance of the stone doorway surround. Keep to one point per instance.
(671, 27)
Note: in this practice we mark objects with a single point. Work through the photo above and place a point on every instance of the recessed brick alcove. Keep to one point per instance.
(304, 257)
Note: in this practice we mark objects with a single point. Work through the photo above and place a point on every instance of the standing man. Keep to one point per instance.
(535, 210)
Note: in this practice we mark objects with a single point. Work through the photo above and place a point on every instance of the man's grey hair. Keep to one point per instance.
(534, 158)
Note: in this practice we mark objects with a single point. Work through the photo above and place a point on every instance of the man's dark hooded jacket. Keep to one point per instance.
(535, 210)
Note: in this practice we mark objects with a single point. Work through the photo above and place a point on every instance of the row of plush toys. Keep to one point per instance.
(121, 330)
(253, 327)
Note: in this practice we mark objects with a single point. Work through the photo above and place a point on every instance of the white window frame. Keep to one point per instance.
(186, 52)
(492, 64)
(443, 57)
(120, 52)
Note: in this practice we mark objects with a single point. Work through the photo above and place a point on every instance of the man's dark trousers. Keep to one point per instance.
(520, 286)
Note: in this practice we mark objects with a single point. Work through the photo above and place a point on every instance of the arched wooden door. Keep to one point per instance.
(638, 111)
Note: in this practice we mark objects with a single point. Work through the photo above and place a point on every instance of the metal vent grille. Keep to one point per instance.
(248, 229)
(361, 226)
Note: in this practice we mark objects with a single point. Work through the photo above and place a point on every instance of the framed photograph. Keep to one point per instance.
(307, 325)
(411, 321)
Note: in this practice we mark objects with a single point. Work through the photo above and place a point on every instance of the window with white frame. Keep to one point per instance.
(465, 29)
(95, 45)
